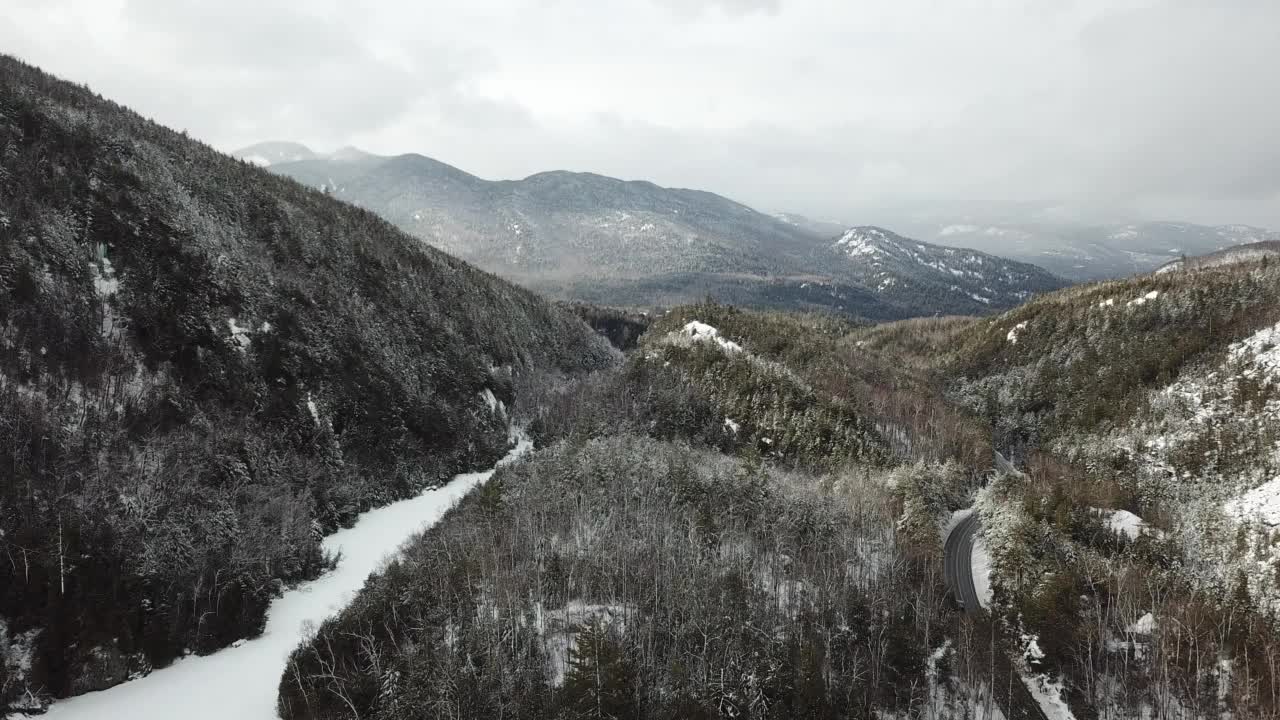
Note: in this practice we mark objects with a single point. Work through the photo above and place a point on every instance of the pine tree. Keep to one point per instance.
(601, 681)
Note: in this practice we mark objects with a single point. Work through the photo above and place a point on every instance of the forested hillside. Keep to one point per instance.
(204, 368)
(1139, 549)
(1132, 552)
(715, 529)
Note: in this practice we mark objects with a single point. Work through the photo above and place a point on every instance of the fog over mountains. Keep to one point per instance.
(1081, 252)
(589, 237)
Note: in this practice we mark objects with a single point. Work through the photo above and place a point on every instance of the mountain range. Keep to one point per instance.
(1093, 252)
(584, 236)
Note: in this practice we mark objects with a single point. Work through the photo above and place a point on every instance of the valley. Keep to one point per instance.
(319, 436)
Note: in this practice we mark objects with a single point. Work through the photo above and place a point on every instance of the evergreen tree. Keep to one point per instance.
(601, 681)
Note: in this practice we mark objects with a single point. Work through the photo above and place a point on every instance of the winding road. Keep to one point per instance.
(958, 562)
(1016, 701)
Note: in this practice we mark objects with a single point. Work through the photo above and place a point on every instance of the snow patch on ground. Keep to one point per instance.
(242, 682)
(559, 629)
(1261, 503)
(1048, 693)
(981, 561)
(1144, 625)
(239, 335)
(104, 278)
(1145, 298)
(696, 331)
(1012, 337)
(496, 406)
(1123, 521)
(311, 407)
(732, 426)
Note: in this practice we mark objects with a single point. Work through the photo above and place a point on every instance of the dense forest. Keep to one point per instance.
(203, 369)
(709, 532)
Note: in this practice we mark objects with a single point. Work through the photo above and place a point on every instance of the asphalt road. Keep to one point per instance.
(957, 563)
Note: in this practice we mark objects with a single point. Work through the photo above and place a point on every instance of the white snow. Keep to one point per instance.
(495, 405)
(1144, 625)
(981, 563)
(311, 407)
(861, 241)
(1261, 503)
(1145, 298)
(1263, 348)
(1107, 303)
(239, 335)
(732, 426)
(104, 279)
(702, 332)
(1123, 521)
(242, 682)
(257, 160)
(1048, 693)
(1032, 651)
(1012, 337)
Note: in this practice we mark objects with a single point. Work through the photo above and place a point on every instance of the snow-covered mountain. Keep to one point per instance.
(1082, 252)
(584, 236)
(911, 272)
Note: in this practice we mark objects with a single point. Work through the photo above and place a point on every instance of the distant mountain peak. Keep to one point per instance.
(274, 152)
(279, 152)
(867, 240)
(1090, 252)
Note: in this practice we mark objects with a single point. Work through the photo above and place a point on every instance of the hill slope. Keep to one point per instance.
(588, 237)
(204, 368)
(1228, 256)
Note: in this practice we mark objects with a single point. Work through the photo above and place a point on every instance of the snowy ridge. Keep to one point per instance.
(970, 281)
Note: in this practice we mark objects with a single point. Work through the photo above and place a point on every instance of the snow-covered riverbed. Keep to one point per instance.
(239, 683)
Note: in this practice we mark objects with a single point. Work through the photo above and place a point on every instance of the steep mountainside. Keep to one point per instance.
(593, 238)
(204, 368)
(1091, 253)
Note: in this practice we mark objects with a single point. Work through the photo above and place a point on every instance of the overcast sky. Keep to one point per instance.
(876, 111)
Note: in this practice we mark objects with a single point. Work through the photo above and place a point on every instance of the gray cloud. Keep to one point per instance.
(880, 111)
